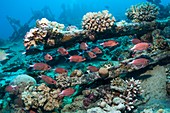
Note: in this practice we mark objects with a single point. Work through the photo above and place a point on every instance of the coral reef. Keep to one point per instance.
(37, 36)
(98, 22)
(142, 12)
(66, 86)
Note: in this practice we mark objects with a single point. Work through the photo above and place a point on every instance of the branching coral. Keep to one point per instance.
(98, 21)
(41, 97)
(131, 93)
(142, 12)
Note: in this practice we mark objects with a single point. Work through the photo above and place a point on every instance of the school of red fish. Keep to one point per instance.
(91, 53)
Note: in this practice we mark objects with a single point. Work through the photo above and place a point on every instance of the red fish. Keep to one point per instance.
(91, 54)
(41, 67)
(97, 50)
(47, 79)
(67, 92)
(93, 68)
(60, 70)
(31, 111)
(83, 46)
(62, 51)
(136, 41)
(139, 63)
(109, 43)
(76, 58)
(11, 88)
(141, 46)
(48, 57)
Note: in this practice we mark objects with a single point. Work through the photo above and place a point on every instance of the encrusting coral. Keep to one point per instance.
(41, 96)
(98, 21)
(159, 41)
(142, 12)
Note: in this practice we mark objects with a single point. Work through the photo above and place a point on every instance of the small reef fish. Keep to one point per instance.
(91, 54)
(110, 43)
(62, 51)
(31, 111)
(41, 67)
(60, 70)
(11, 88)
(92, 68)
(139, 63)
(48, 57)
(96, 50)
(83, 46)
(47, 79)
(67, 92)
(76, 58)
(136, 41)
(141, 46)
(3, 55)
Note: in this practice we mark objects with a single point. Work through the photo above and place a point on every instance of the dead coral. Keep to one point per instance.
(142, 12)
(98, 21)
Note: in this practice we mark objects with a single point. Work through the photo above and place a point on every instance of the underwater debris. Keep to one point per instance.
(67, 39)
(142, 12)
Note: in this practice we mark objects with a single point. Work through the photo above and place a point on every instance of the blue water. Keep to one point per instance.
(21, 9)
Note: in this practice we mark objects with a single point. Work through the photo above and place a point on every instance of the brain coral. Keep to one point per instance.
(23, 81)
(98, 21)
(142, 12)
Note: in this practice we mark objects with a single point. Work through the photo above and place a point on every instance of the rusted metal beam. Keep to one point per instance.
(68, 38)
